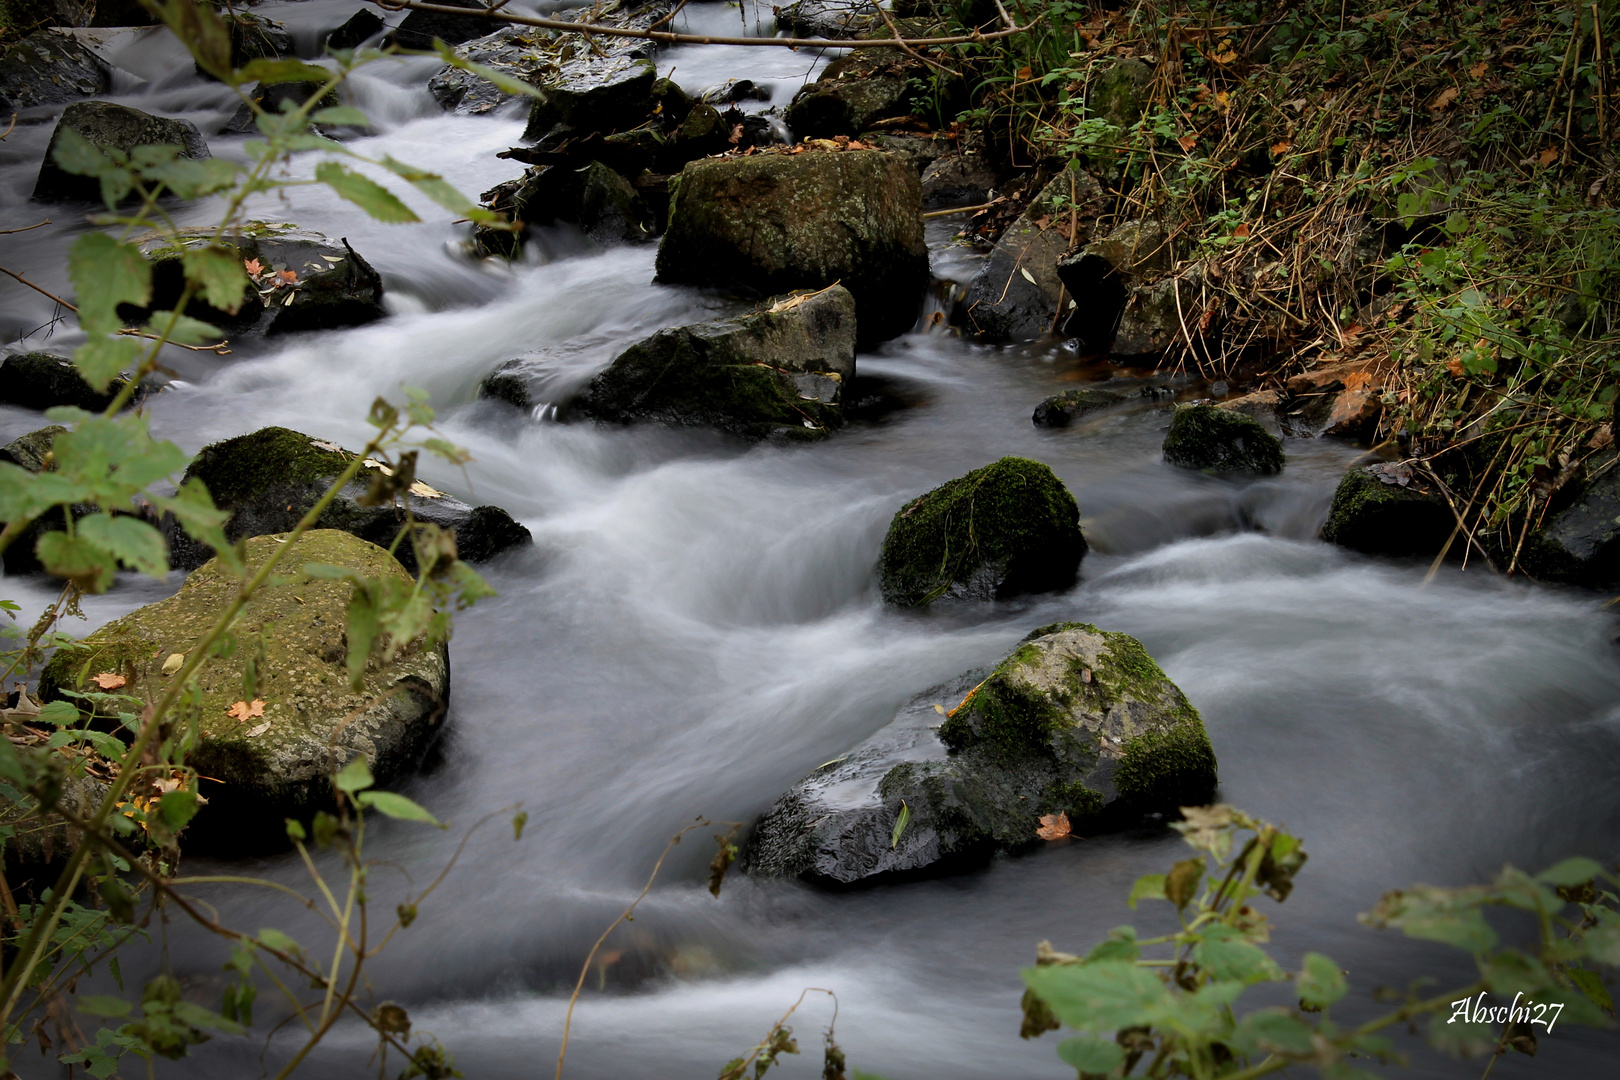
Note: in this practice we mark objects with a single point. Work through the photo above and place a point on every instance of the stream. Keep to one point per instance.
(697, 626)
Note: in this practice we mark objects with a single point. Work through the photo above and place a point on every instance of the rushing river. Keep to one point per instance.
(697, 626)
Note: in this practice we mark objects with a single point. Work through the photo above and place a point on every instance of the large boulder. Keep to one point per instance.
(831, 19)
(49, 67)
(1220, 440)
(1009, 527)
(775, 222)
(1122, 93)
(778, 372)
(253, 37)
(1118, 306)
(109, 126)
(597, 93)
(1017, 294)
(1075, 721)
(419, 28)
(1388, 509)
(1580, 544)
(269, 479)
(330, 285)
(305, 721)
(42, 380)
(855, 92)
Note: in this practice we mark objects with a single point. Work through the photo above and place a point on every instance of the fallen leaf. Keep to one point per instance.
(1053, 826)
(1242, 231)
(1603, 437)
(423, 491)
(174, 663)
(1281, 148)
(1357, 380)
(243, 711)
(1443, 99)
(1478, 70)
(254, 733)
(253, 267)
(941, 709)
(1455, 366)
(1547, 157)
(1085, 675)
(1026, 72)
(1029, 277)
(287, 277)
(108, 681)
(1187, 142)
(324, 445)
(1223, 101)
(1226, 56)
(1298, 104)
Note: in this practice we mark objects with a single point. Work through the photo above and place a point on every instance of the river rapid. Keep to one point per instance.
(697, 626)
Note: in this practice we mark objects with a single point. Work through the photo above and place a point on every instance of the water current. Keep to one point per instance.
(697, 626)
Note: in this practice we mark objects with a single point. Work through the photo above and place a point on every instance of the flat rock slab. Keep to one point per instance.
(49, 67)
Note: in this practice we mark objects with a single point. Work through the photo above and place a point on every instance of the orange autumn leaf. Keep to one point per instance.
(1478, 70)
(1053, 826)
(1455, 366)
(1357, 380)
(289, 277)
(1444, 98)
(108, 681)
(1223, 101)
(1281, 148)
(1025, 72)
(253, 267)
(1241, 231)
(1187, 142)
(1225, 56)
(243, 711)
(1547, 157)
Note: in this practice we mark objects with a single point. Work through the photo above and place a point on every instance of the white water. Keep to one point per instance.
(696, 627)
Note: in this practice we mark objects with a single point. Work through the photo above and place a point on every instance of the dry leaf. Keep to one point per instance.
(1478, 70)
(1455, 366)
(1281, 148)
(1187, 142)
(940, 709)
(1603, 437)
(1241, 231)
(1053, 826)
(1085, 675)
(1223, 101)
(1357, 380)
(1225, 56)
(254, 733)
(1029, 277)
(108, 681)
(1547, 157)
(324, 445)
(253, 267)
(243, 711)
(1444, 98)
(422, 490)
(287, 277)
(1026, 72)
(174, 663)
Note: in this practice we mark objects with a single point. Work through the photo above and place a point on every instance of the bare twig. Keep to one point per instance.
(25, 228)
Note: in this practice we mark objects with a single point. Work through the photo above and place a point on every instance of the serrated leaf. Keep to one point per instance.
(1147, 887)
(58, 714)
(1576, 871)
(396, 806)
(178, 808)
(201, 29)
(1120, 945)
(89, 566)
(1091, 1055)
(105, 274)
(1590, 983)
(1098, 997)
(1320, 981)
(1224, 953)
(136, 544)
(1273, 1031)
(439, 190)
(341, 116)
(78, 155)
(192, 179)
(353, 777)
(365, 193)
(182, 329)
(275, 939)
(194, 509)
(102, 359)
(502, 82)
(1602, 944)
(217, 273)
(1461, 1039)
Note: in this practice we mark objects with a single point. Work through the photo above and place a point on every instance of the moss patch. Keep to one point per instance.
(239, 470)
(1166, 769)
(1010, 527)
(1379, 518)
(1207, 437)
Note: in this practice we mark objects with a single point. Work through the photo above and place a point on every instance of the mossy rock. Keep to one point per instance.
(42, 380)
(1010, 527)
(1075, 721)
(854, 93)
(1386, 509)
(1219, 440)
(1061, 410)
(109, 126)
(263, 769)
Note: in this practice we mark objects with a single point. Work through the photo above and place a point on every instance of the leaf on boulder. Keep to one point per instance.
(174, 663)
(1053, 826)
(107, 680)
(243, 711)
(255, 732)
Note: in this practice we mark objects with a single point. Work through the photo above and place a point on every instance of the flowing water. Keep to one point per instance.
(697, 626)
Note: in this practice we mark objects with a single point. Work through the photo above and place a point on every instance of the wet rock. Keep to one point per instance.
(1580, 545)
(275, 98)
(1388, 509)
(49, 67)
(1263, 406)
(33, 453)
(1075, 721)
(1104, 279)
(1219, 440)
(418, 29)
(778, 372)
(835, 20)
(596, 198)
(334, 287)
(253, 38)
(777, 222)
(1121, 95)
(108, 126)
(735, 90)
(919, 151)
(1010, 527)
(360, 28)
(966, 177)
(522, 52)
(313, 722)
(603, 94)
(853, 93)
(41, 380)
(1017, 294)
(270, 478)
(1061, 410)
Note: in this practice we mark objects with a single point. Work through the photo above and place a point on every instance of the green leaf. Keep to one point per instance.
(1273, 1031)
(58, 714)
(362, 633)
(1320, 981)
(268, 70)
(89, 566)
(1461, 1039)
(105, 274)
(102, 359)
(1120, 945)
(217, 273)
(439, 190)
(1147, 887)
(900, 824)
(365, 193)
(353, 777)
(1091, 1055)
(396, 806)
(1098, 997)
(178, 808)
(1181, 883)
(341, 116)
(201, 29)
(79, 156)
(272, 938)
(98, 1005)
(1224, 953)
(182, 329)
(197, 1016)
(1590, 983)
(193, 507)
(138, 545)
(1576, 871)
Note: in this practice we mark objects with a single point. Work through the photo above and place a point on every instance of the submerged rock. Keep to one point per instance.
(1580, 545)
(777, 222)
(260, 770)
(49, 67)
(268, 480)
(831, 19)
(1060, 410)
(1018, 294)
(778, 372)
(1075, 721)
(1220, 440)
(108, 126)
(1387, 509)
(1007, 528)
(42, 380)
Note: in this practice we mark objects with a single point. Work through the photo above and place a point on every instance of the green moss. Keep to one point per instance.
(238, 470)
(1074, 799)
(1371, 516)
(1220, 440)
(1005, 716)
(1007, 528)
(1166, 769)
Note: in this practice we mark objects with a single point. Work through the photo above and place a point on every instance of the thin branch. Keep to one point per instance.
(25, 228)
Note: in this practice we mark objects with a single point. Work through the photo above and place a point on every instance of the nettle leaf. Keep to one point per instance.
(197, 1016)
(136, 544)
(102, 359)
(178, 808)
(1225, 954)
(341, 116)
(439, 190)
(182, 329)
(1461, 1039)
(353, 777)
(1590, 983)
(283, 71)
(217, 273)
(191, 179)
(1576, 871)
(58, 714)
(1273, 1031)
(193, 507)
(1098, 997)
(1320, 981)
(1091, 1055)
(1147, 887)
(78, 155)
(1602, 943)
(1121, 945)
(396, 806)
(89, 566)
(105, 274)
(365, 193)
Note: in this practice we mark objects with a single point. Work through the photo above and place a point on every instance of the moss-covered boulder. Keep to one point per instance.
(855, 92)
(1220, 440)
(1061, 410)
(48, 67)
(108, 126)
(269, 479)
(1076, 721)
(1017, 294)
(1387, 509)
(777, 372)
(42, 380)
(1010, 527)
(778, 222)
(305, 720)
